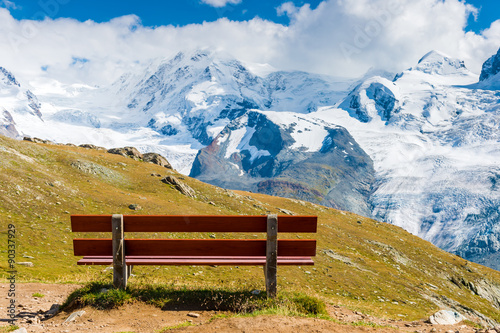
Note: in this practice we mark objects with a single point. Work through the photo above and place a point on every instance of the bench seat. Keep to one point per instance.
(196, 260)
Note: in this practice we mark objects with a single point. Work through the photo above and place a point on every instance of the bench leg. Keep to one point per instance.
(271, 266)
(129, 271)
(119, 267)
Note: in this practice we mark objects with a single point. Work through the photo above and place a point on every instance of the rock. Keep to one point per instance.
(285, 211)
(134, 207)
(255, 292)
(131, 152)
(53, 310)
(155, 175)
(91, 146)
(20, 330)
(25, 263)
(74, 315)
(194, 315)
(445, 317)
(37, 140)
(179, 186)
(156, 159)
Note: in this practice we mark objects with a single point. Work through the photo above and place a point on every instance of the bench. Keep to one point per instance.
(123, 253)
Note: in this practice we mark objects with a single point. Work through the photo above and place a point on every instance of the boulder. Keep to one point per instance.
(446, 317)
(156, 159)
(37, 140)
(131, 152)
(134, 207)
(91, 146)
(179, 186)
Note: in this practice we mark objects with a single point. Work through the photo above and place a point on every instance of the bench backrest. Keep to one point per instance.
(194, 223)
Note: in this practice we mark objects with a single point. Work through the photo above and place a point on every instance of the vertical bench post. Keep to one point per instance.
(119, 267)
(270, 269)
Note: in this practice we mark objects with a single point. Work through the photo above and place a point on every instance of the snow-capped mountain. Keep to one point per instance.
(430, 133)
(290, 155)
(177, 106)
(16, 102)
(200, 93)
(434, 139)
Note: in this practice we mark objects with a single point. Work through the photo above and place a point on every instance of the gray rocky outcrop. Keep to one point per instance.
(156, 159)
(491, 67)
(179, 186)
(131, 152)
(37, 140)
(91, 146)
(267, 159)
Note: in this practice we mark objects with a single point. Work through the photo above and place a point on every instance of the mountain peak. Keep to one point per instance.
(8, 78)
(436, 62)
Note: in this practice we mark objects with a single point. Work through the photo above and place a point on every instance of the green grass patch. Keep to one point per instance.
(101, 295)
(10, 328)
(98, 295)
(38, 295)
(173, 327)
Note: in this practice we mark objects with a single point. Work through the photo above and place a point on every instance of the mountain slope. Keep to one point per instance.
(372, 267)
(289, 155)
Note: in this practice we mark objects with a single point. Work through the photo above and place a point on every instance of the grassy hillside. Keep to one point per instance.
(363, 264)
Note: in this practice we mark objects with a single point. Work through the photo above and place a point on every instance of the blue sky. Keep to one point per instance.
(95, 41)
(183, 12)
(154, 12)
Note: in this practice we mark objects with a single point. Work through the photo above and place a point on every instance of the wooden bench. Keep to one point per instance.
(124, 253)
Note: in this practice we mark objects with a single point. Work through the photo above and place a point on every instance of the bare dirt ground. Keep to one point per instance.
(34, 315)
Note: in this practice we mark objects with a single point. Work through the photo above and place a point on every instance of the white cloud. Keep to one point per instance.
(220, 3)
(339, 37)
(8, 4)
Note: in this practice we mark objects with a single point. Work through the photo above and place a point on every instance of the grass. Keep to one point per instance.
(10, 328)
(38, 295)
(102, 296)
(376, 268)
(174, 327)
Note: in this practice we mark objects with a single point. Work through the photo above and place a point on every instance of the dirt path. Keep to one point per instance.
(138, 317)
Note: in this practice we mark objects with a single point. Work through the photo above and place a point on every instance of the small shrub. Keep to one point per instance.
(309, 305)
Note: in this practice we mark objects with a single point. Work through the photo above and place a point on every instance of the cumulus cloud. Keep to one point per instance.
(339, 37)
(220, 3)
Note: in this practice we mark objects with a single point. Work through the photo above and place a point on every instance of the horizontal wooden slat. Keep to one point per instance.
(193, 223)
(196, 260)
(195, 247)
